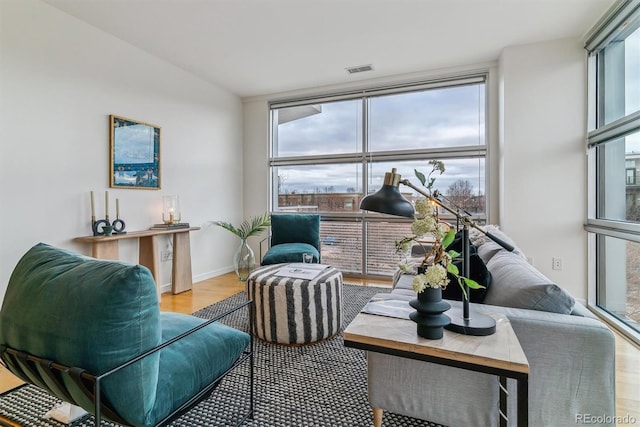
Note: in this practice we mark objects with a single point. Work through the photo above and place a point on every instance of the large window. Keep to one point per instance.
(327, 153)
(614, 152)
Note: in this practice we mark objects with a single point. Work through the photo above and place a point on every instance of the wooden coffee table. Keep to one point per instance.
(498, 354)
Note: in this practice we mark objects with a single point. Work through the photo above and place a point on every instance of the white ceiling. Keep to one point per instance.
(256, 47)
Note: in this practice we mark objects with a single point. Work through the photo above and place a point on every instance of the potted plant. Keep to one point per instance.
(431, 272)
(244, 260)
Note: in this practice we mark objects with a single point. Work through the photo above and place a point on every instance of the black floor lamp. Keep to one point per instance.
(390, 201)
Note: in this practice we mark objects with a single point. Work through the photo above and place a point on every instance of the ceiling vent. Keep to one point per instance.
(360, 69)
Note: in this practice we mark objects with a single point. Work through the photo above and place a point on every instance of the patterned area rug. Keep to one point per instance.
(322, 384)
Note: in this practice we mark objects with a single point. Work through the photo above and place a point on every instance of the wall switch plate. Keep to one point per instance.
(166, 255)
(557, 264)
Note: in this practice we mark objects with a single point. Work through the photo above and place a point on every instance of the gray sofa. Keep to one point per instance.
(571, 356)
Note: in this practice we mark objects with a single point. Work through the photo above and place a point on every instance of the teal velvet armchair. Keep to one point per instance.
(91, 333)
(291, 236)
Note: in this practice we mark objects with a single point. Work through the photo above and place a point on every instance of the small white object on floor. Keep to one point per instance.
(65, 413)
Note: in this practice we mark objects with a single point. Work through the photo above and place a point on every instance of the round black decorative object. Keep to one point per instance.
(477, 324)
(118, 226)
(98, 226)
(429, 315)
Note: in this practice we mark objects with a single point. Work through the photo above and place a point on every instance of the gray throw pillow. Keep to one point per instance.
(517, 284)
(487, 248)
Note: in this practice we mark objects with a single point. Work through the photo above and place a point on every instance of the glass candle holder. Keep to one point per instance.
(170, 209)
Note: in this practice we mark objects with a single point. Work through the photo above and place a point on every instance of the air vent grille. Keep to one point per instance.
(360, 69)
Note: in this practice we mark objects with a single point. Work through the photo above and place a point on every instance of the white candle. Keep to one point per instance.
(117, 208)
(106, 204)
(93, 208)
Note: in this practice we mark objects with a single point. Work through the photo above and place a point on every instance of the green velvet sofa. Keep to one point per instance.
(71, 324)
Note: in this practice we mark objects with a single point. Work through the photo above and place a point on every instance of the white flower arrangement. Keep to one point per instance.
(437, 260)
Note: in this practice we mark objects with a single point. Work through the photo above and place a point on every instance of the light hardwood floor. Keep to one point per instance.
(218, 288)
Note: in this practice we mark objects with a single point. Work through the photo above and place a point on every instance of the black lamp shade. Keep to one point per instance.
(388, 200)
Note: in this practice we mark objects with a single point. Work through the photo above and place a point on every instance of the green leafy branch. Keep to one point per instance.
(429, 180)
(248, 228)
(453, 269)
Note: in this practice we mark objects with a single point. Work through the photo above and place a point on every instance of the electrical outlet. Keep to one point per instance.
(557, 264)
(166, 255)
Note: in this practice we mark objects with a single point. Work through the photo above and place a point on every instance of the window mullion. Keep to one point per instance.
(365, 180)
(615, 130)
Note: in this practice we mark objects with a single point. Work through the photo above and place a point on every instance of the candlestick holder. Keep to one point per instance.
(101, 226)
(98, 226)
(118, 226)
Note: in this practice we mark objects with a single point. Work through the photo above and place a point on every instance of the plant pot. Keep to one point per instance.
(429, 313)
(244, 261)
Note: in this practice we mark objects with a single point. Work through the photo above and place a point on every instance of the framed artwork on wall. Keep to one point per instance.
(134, 154)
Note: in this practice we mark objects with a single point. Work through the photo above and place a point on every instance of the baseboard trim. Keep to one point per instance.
(200, 277)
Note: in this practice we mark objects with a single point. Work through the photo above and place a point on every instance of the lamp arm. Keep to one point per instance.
(498, 240)
(463, 218)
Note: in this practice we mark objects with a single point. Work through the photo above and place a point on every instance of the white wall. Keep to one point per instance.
(543, 156)
(256, 165)
(60, 79)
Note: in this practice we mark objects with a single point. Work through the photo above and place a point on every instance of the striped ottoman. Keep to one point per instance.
(295, 311)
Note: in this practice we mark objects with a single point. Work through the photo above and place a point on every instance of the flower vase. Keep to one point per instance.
(429, 315)
(244, 260)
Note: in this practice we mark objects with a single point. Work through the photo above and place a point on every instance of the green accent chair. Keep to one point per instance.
(91, 333)
(291, 236)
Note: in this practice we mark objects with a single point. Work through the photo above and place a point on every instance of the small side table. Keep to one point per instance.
(295, 311)
(499, 354)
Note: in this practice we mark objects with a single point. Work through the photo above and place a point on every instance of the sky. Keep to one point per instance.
(444, 117)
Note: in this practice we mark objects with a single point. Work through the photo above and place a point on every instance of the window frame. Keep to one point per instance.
(364, 157)
(620, 21)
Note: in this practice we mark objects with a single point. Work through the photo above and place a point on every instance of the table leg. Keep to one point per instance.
(502, 384)
(377, 417)
(105, 249)
(148, 256)
(523, 402)
(181, 277)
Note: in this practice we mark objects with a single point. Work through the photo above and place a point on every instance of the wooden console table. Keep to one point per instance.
(106, 247)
